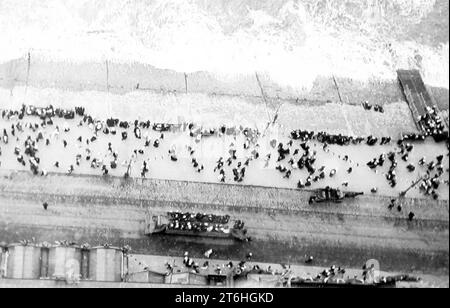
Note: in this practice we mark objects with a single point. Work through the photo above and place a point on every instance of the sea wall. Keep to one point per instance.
(123, 78)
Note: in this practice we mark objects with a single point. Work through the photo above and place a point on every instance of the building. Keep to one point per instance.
(146, 276)
(107, 264)
(63, 262)
(186, 278)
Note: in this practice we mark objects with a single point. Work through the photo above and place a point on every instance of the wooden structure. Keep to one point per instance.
(416, 94)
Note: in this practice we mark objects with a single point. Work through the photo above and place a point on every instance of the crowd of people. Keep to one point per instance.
(201, 222)
(330, 274)
(377, 108)
(201, 217)
(434, 170)
(115, 126)
(238, 270)
(434, 176)
(431, 123)
(411, 137)
(197, 226)
(339, 139)
(290, 156)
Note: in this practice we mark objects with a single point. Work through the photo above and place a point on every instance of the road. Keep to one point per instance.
(284, 228)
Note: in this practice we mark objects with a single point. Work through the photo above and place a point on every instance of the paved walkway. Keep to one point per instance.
(210, 149)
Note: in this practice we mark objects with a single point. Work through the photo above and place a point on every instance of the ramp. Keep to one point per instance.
(415, 92)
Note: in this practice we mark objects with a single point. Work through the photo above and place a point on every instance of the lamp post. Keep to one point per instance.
(425, 177)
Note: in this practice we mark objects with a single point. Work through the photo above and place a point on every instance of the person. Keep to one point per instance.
(137, 132)
(222, 176)
(410, 216)
(5, 136)
(392, 204)
(104, 170)
(411, 167)
(45, 205)
(205, 265)
(288, 174)
(78, 159)
(422, 161)
(208, 253)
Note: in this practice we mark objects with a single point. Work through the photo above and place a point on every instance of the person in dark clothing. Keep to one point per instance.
(45, 205)
(392, 204)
